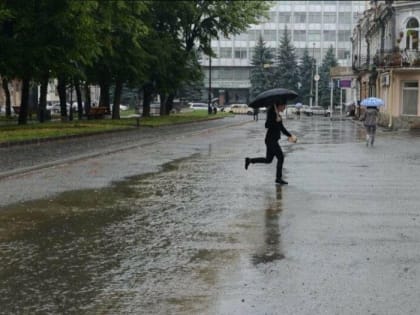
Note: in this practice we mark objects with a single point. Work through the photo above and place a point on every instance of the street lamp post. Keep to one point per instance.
(316, 85)
(209, 105)
(312, 75)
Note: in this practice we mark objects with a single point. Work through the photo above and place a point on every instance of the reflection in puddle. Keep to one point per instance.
(152, 243)
(270, 250)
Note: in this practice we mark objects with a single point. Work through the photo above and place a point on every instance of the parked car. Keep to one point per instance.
(199, 106)
(317, 110)
(290, 110)
(241, 109)
(56, 108)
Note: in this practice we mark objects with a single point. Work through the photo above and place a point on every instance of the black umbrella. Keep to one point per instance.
(272, 96)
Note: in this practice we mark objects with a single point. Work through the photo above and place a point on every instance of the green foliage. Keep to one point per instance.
(261, 72)
(328, 62)
(306, 74)
(286, 65)
(201, 20)
(117, 42)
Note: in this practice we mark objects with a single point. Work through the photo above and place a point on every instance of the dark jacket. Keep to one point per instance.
(370, 116)
(274, 128)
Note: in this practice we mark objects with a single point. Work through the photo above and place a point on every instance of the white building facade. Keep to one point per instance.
(316, 25)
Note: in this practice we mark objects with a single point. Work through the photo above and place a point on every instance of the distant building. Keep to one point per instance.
(386, 60)
(313, 24)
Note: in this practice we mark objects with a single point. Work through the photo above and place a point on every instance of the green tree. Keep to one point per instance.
(120, 31)
(44, 38)
(306, 74)
(200, 21)
(328, 62)
(6, 52)
(261, 74)
(287, 75)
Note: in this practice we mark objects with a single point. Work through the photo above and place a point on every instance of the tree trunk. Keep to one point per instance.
(5, 84)
(88, 101)
(43, 98)
(169, 103)
(147, 98)
(79, 100)
(117, 99)
(61, 88)
(23, 111)
(162, 109)
(104, 97)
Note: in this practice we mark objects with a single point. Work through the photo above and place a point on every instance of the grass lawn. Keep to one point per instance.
(10, 131)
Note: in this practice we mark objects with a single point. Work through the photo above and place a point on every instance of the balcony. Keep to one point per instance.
(397, 58)
(388, 59)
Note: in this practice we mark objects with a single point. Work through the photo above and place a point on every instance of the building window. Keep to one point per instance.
(314, 36)
(410, 97)
(254, 35)
(412, 38)
(240, 74)
(300, 17)
(329, 36)
(299, 36)
(284, 17)
(242, 36)
(240, 53)
(344, 36)
(314, 17)
(226, 52)
(344, 17)
(270, 35)
(273, 17)
(330, 18)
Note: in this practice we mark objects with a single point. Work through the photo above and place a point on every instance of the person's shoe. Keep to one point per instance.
(281, 182)
(247, 162)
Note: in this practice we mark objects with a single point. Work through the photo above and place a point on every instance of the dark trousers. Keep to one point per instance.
(273, 150)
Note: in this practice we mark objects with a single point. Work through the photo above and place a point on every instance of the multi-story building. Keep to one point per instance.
(386, 60)
(316, 25)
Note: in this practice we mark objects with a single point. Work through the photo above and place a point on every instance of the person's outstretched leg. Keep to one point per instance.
(267, 160)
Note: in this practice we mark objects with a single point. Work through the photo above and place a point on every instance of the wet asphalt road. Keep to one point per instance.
(169, 222)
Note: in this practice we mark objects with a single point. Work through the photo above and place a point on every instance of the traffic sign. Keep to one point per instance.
(316, 77)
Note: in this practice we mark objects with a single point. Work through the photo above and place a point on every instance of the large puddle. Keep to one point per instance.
(154, 242)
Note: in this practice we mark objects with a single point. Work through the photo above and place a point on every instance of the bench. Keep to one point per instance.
(31, 111)
(97, 112)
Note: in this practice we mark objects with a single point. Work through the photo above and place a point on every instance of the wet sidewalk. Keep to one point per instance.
(179, 227)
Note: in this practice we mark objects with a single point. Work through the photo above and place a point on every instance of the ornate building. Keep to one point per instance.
(386, 60)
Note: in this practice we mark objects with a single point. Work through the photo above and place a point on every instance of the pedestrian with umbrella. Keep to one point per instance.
(370, 117)
(298, 107)
(275, 100)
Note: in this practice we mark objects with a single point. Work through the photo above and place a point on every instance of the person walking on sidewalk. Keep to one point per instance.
(274, 125)
(255, 114)
(370, 117)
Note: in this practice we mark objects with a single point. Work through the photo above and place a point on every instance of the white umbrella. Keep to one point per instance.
(372, 102)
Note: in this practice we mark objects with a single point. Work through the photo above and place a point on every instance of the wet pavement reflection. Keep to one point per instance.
(271, 250)
(203, 236)
(152, 242)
